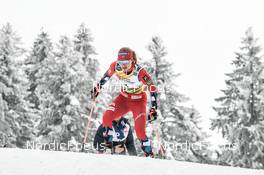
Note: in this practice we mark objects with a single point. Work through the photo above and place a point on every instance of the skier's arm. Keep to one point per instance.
(108, 74)
(146, 79)
(111, 70)
(130, 145)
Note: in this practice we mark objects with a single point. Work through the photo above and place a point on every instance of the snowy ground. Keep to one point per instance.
(36, 162)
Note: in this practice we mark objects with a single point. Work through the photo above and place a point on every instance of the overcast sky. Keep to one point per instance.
(201, 36)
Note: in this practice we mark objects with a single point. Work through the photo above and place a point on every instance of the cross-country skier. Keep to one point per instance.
(123, 139)
(132, 98)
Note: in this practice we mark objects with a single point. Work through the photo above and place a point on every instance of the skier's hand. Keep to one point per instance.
(95, 91)
(119, 149)
(152, 114)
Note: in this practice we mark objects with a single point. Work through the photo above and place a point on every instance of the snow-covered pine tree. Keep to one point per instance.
(15, 123)
(42, 49)
(60, 84)
(64, 92)
(83, 44)
(240, 115)
(177, 123)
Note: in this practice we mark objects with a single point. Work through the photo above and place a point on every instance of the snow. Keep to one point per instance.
(38, 162)
(74, 101)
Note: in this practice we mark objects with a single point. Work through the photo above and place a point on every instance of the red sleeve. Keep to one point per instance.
(146, 79)
(111, 69)
(107, 75)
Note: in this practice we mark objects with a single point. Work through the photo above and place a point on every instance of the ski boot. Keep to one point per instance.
(146, 147)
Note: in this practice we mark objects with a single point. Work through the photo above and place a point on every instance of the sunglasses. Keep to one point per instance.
(123, 62)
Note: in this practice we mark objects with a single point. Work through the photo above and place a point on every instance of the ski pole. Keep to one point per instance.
(88, 125)
(158, 139)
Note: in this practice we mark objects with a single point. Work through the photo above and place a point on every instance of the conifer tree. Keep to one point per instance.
(83, 45)
(240, 114)
(16, 126)
(178, 123)
(42, 50)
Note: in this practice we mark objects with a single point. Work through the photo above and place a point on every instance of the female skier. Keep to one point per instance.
(132, 98)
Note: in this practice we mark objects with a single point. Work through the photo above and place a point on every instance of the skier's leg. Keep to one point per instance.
(115, 110)
(138, 108)
(140, 122)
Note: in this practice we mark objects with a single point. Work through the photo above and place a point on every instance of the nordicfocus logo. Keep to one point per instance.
(77, 147)
(118, 87)
(59, 146)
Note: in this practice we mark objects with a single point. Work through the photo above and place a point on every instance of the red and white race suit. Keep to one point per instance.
(132, 97)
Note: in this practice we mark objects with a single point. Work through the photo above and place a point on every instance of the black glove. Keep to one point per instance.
(152, 114)
(95, 91)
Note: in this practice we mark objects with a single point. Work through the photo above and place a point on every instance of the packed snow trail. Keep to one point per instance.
(37, 162)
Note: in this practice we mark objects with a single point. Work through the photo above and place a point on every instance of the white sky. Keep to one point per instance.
(201, 36)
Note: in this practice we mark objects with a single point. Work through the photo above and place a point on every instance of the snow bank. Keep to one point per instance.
(37, 162)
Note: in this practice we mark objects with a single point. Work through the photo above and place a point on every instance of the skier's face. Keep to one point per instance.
(125, 65)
